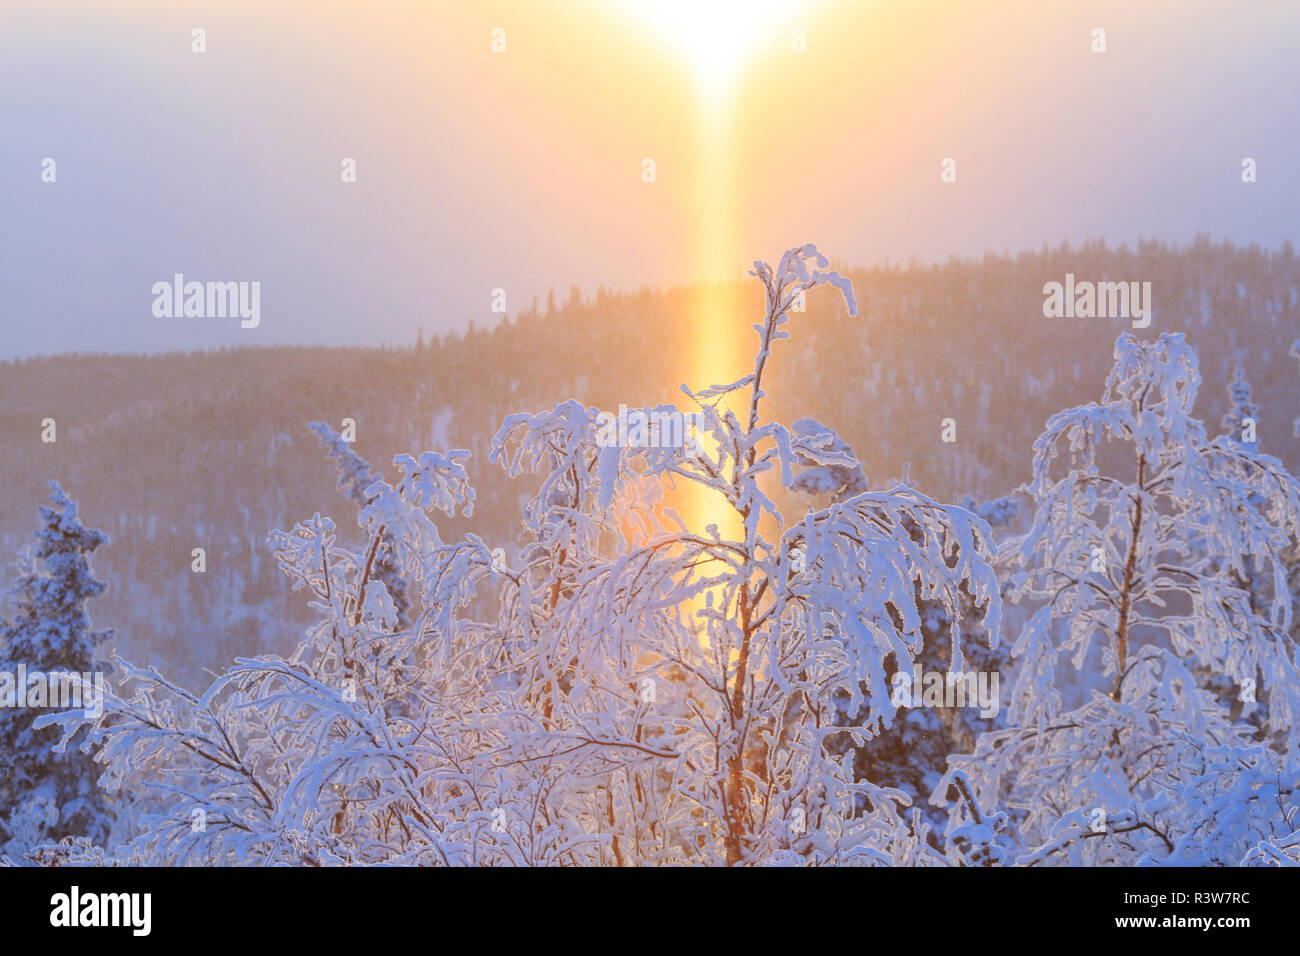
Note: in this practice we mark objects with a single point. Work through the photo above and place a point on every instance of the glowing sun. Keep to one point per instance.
(717, 38)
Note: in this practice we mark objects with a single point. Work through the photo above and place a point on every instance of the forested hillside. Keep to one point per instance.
(173, 452)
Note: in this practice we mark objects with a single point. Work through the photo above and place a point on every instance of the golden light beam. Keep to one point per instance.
(717, 350)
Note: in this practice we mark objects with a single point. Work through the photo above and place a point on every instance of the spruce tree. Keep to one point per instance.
(49, 792)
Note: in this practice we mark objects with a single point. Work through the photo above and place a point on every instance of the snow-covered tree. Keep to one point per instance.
(1143, 532)
(1241, 420)
(355, 477)
(1240, 426)
(48, 791)
(790, 619)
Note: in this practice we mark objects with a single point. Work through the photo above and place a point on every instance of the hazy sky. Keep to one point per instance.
(523, 169)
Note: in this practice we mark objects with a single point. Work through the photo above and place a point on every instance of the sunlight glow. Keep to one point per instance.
(717, 38)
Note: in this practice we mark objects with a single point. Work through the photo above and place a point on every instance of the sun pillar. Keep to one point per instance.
(719, 348)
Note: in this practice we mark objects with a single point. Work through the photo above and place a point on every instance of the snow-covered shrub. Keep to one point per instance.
(644, 692)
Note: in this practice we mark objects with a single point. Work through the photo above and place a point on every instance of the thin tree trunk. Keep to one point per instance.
(1126, 594)
(736, 797)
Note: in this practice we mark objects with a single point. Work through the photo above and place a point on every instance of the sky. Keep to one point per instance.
(524, 168)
